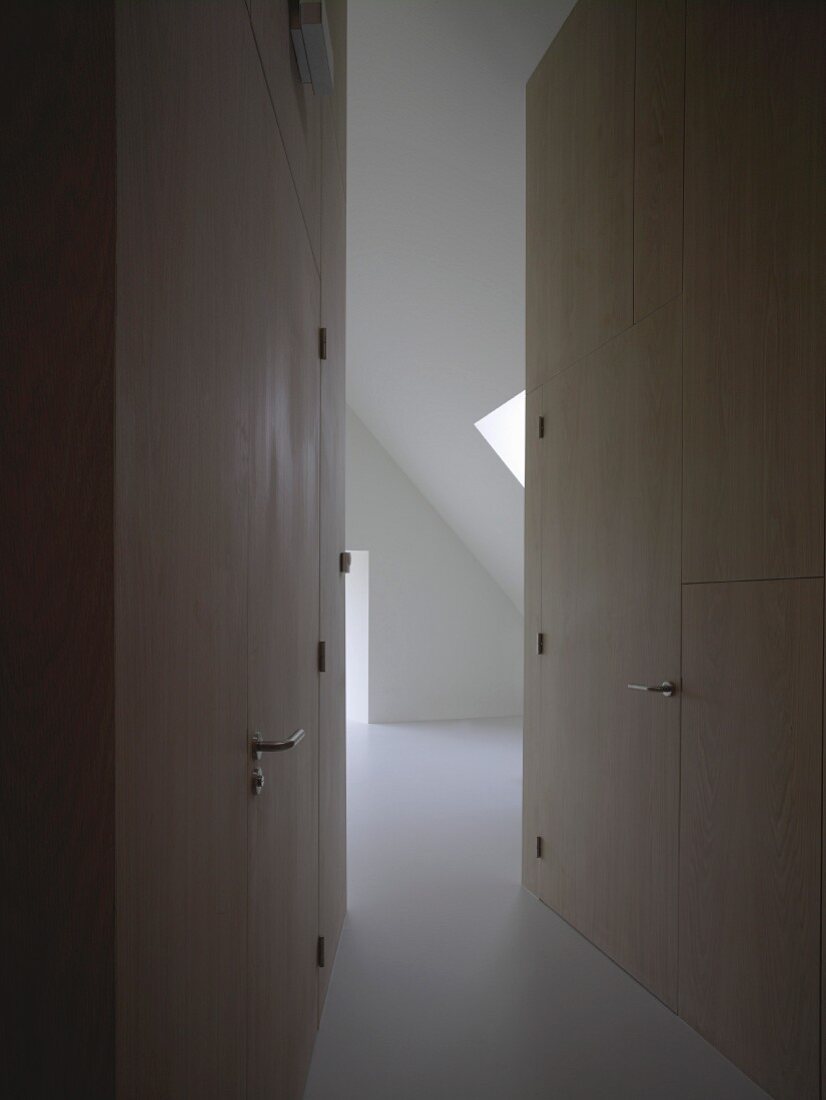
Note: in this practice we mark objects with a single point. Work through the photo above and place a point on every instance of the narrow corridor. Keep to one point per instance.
(452, 982)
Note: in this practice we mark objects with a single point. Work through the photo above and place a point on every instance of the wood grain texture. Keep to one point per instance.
(580, 188)
(283, 630)
(297, 109)
(337, 19)
(332, 856)
(755, 283)
(658, 154)
(57, 311)
(611, 616)
(750, 846)
(533, 757)
(189, 266)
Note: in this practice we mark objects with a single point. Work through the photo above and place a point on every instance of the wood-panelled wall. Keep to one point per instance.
(57, 688)
(173, 240)
(677, 153)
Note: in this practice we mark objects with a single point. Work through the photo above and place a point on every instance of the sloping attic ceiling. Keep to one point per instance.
(436, 250)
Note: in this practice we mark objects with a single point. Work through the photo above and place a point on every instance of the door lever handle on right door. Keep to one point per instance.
(666, 688)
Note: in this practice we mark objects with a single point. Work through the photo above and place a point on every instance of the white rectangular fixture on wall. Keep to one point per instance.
(312, 45)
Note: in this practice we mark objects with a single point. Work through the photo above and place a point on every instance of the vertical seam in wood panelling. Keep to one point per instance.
(321, 371)
(682, 197)
(682, 520)
(540, 479)
(115, 524)
(634, 170)
(820, 938)
(822, 730)
(250, 452)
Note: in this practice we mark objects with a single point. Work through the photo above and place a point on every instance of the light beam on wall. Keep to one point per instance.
(504, 429)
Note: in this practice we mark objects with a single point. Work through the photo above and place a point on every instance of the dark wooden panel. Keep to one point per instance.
(658, 154)
(283, 925)
(332, 729)
(533, 756)
(750, 826)
(580, 188)
(755, 284)
(57, 309)
(609, 783)
(297, 109)
(189, 266)
(337, 18)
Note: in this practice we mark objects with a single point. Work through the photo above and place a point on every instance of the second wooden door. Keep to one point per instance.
(283, 639)
(608, 782)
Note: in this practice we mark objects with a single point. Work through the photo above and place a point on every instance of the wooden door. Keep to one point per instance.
(750, 826)
(610, 617)
(283, 634)
(332, 892)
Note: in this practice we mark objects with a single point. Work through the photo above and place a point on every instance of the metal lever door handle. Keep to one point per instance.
(260, 746)
(666, 688)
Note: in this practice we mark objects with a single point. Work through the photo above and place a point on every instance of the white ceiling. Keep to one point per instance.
(435, 206)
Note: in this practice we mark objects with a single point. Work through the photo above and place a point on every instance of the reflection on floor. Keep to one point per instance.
(452, 982)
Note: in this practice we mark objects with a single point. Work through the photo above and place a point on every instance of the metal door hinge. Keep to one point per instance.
(540, 644)
(539, 847)
(322, 343)
(542, 427)
(320, 956)
(345, 560)
(322, 656)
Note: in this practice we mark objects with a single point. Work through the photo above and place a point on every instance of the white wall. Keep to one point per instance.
(436, 246)
(357, 636)
(445, 640)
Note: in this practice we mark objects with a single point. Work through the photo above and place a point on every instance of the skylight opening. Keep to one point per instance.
(504, 430)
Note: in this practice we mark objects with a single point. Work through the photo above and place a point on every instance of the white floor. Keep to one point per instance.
(452, 982)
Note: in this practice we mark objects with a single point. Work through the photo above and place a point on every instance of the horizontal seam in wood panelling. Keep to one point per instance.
(617, 335)
(674, 297)
(755, 580)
